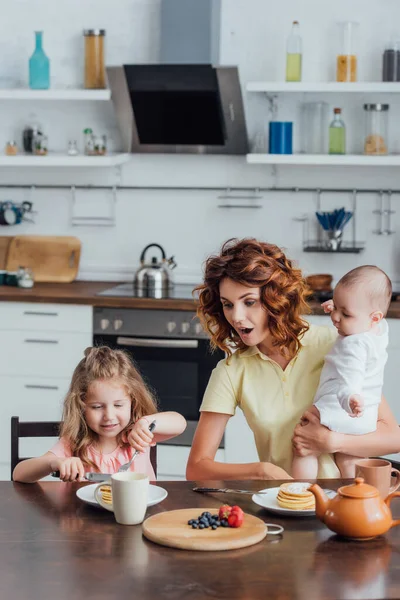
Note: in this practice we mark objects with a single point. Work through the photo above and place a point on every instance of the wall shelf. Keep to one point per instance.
(54, 94)
(349, 160)
(54, 159)
(329, 87)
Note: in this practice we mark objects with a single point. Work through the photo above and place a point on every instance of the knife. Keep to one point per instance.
(228, 490)
(96, 477)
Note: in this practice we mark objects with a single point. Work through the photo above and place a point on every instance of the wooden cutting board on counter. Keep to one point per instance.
(51, 258)
(171, 529)
(5, 241)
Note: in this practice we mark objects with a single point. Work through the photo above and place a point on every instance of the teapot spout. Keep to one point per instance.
(321, 500)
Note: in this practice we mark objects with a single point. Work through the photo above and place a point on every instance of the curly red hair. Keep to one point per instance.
(283, 293)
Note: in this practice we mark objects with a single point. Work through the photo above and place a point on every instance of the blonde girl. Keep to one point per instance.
(106, 417)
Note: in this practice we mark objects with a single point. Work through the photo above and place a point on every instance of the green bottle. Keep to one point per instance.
(294, 54)
(337, 134)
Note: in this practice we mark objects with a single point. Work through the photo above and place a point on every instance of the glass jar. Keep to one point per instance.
(391, 62)
(40, 144)
(376, 128)
(95, 74)
(11, 148)
(346, 61)
(313, 129)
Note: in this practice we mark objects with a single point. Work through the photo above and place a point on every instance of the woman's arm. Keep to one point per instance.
(202, 465)
(314, 438)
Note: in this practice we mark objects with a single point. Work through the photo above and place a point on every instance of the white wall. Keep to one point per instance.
(189, 223)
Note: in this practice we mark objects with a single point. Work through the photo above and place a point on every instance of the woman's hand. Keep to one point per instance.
(71, 469)
(310, 437)
(270, 471)
(139, 437)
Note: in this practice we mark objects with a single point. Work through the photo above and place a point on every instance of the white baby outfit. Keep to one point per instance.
(355, 365)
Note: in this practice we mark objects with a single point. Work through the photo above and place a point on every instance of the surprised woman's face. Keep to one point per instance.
(244, 312)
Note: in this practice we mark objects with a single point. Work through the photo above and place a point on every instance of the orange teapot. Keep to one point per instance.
(357, 511)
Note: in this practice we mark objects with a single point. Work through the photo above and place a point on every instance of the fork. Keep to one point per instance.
(127, 465)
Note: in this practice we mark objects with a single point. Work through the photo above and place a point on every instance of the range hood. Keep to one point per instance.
(175, 107)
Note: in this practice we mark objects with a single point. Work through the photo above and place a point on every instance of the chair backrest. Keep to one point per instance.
(45, 429)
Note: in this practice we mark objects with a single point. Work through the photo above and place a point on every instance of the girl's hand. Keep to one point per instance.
(270, 471)
(71, 469)
(139, 437)
(310, 437)
(328, 306)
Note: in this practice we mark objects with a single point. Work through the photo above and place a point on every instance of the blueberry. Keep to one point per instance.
(215, 517)
(190, 521)
(214, 526)
(217, 523)
(224, 523)
(201, 526)
(194, 526)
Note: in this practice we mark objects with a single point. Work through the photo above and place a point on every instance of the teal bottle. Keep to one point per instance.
(39, 66)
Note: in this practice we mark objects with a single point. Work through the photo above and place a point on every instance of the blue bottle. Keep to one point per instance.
(39, 66)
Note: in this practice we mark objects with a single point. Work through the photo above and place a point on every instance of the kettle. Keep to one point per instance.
(154, 279)
(356, 512)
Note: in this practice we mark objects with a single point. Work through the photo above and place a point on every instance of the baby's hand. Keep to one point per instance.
(356, 404)
(71, 469)
(328, 306)
(139, 437)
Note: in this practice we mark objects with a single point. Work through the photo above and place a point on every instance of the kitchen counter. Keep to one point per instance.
(84, 292)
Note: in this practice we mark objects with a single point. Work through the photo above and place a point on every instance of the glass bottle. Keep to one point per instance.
(346, 61)
(39, 66)
(95, 74)
(88, 141)
(337, 134)
(391, 62)
(376, 128)
(294, 54)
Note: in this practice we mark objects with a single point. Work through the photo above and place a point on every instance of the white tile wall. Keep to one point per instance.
(189, 224)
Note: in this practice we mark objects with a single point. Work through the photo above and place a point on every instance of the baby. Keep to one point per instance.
(350, 386)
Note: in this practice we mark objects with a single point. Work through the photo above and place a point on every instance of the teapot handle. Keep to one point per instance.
(164, 256)
(387, 502)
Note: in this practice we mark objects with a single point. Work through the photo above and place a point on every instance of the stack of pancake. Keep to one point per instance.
(296, 496)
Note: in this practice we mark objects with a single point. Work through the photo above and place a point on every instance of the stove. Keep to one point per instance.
(127, 290)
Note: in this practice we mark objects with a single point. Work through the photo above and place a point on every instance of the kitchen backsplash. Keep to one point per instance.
(189, 223)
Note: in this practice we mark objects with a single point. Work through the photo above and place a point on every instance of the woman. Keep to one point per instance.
(252, 301)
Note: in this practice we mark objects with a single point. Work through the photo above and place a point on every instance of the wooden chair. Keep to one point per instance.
(45, 429)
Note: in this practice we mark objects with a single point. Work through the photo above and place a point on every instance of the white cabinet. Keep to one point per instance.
(172, 461)
(40, 346)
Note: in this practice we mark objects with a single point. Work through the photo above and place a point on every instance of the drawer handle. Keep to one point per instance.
(41, 341)
(40, 313)
(31, 386)
(153, 343)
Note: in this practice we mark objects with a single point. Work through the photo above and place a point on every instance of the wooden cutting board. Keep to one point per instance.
(51, 258)
(171, 529)
(5, 241)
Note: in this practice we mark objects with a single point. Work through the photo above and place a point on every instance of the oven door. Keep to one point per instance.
(176, 370)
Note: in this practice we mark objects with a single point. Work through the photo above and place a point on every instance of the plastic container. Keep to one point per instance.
(39, 66)
(95, 73)
(376, 128)
(391, 62)
(346, 61)
(337, 133)
(294, 54)
(314, 124)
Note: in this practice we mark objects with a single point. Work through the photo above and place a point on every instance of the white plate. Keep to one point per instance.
(86, 494)
(269, 501)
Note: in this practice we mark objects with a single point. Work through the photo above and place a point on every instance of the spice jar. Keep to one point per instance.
(11, 148)
(391, 62)
(376, 128)
(40, 144)
(95, 74)
(346, 61)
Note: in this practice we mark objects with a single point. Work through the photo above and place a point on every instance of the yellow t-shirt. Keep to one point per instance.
(271, 399)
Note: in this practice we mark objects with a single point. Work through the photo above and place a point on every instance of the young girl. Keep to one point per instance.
(106, 417)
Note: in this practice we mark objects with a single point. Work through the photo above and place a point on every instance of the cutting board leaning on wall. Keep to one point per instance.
(51, 258)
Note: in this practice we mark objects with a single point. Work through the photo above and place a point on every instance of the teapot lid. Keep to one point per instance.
(358, 489)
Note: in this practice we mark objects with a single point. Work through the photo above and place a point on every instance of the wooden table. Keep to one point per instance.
(54, 547)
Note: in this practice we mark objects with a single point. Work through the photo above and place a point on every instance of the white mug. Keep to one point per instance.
(129, 497)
